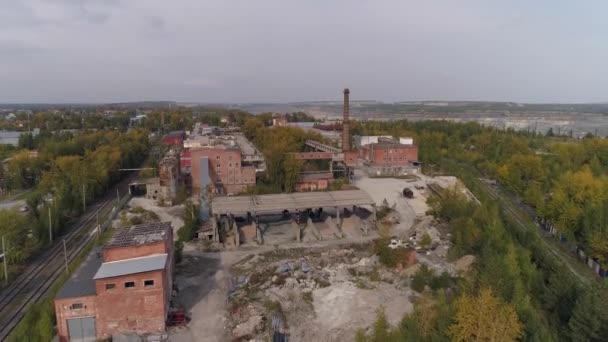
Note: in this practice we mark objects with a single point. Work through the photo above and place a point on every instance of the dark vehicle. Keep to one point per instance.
(408, 193)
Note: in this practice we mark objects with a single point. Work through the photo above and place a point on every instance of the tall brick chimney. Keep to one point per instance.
(345, 123)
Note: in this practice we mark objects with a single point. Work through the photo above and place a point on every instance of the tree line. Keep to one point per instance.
(565, 180)
(515, 291)
(67, 169)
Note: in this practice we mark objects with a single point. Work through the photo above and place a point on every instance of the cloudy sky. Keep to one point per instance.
(304, 50)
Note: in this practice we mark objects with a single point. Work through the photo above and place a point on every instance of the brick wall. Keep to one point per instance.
(64, 311)
(390, 155)
(121, 253)
(139, 309)
(225, 170)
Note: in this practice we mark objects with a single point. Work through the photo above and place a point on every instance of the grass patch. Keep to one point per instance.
(323, 283)
(307, 297)
(360, 283)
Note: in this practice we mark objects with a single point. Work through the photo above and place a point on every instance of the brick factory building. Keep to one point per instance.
(222, 168)
(124, 287)
(164, 188)
(175, 138)
(386, 155)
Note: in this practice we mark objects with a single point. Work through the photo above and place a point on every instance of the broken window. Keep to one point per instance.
(77, 306)
(129, 284)
(148, 283)
(110, 286)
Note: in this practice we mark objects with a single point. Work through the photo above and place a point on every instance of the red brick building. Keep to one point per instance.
(175, 138)
(222, 168)
(389, 156)
(125, 287)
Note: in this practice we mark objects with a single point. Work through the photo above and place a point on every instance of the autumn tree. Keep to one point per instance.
(292, 167)
(485, 318)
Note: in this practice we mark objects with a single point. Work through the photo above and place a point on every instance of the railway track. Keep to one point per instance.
(39, 277)
(522, 223)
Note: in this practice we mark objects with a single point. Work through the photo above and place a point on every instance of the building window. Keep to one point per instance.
(148, 283)
(218, 165)
(236, 164)
(110, 286)
(129, 284)
(76, 306)
(217, 157)
(230, 165)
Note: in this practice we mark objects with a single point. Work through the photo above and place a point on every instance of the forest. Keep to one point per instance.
(65, 165)
(565, 180)
(518, 289)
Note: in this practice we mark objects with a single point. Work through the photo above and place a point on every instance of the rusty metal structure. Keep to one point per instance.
(345, 123)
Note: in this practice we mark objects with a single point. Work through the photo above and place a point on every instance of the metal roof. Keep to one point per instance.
(299, 200)
(139, 234)
(131, 266)
(81, 283)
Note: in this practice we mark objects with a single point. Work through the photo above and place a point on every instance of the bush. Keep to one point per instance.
(426, 277)
(421, 278)
(138, 210)
(391, 257)
(136, 220)
(38, 323)
(178, 251)
(425, 241)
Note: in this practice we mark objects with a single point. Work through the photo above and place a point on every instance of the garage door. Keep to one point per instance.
(82, 329)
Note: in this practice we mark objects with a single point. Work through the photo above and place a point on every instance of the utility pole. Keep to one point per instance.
(50, 226)
(84, 198)
(65, 254)
(5, 262)
(117, 197)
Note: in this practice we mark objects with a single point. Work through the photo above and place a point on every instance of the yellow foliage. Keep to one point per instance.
(485, 318)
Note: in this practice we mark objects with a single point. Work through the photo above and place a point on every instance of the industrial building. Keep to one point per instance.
(223, 163)
(174, 138)
(163, 188)
(385, 155)
(222, 169)
(377, 155)
(124, 287)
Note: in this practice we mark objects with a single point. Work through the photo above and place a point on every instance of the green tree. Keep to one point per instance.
(292, 167)
(589, 321)
(485, 318)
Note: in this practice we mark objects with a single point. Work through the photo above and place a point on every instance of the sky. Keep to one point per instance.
(306, 50)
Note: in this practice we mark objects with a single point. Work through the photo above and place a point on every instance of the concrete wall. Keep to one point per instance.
(63, 312)
(153, 191)
(140, 309)
(312, 185)
(406, 141)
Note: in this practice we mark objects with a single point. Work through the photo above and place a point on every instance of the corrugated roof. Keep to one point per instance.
(299, 200)
(131, 266)
(81, 283)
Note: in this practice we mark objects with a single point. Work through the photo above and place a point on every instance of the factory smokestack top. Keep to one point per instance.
(345, 123)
